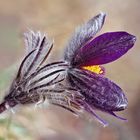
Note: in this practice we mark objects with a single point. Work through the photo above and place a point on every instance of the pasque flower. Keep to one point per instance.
(85, 54)
(77, 83)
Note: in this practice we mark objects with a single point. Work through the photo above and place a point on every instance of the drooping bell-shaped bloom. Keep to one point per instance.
(85, 53)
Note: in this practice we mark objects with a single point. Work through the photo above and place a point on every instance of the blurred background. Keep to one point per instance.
(58, 18)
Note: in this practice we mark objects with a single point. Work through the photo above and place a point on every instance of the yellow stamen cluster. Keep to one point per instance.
(96, 69)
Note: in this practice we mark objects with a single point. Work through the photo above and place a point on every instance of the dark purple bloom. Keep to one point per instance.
(85, 53)
(77, 83)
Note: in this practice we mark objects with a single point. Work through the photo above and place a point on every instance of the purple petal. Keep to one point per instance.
(99, 92)
(91, 110)
(118, 117)
(104, 49)
(83, 34)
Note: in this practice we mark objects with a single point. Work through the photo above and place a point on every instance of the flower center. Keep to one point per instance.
(96, 69)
